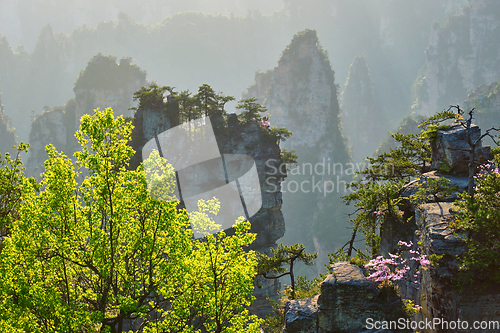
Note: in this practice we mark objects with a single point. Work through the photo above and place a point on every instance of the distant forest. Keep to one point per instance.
(192, 47)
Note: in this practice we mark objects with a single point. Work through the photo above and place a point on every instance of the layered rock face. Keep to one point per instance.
(234, 137)
(430, 225)
(347, 303)
(301, 95)
(54, 127)
(463, 53)
(361, 116)
(348, 299)
(450, 150)
(104, 83)
(485, 101)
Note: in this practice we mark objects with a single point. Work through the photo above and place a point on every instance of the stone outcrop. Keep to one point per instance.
(234, 137)
(430, 225)
(347, 300)
(301, 95)
(104, 83)
(451, 150)
(51, 127)
(463, 54)
(361, 115)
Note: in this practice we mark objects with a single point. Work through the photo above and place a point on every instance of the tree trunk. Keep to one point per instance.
(292, 279)
(351, 242)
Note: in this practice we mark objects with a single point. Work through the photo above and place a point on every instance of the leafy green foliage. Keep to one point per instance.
(376, 192)
(206, 99)
(434, 190)
(279, 134)
(152, 97)
(11, 178)
(478, 220)
(251, 109)
(375, 203)
(184, 106)
(438, 118)
(410, 308)
(93, 256)
(360, 259)
(288, 157)
(435, 258)
(271, 267)
(187, 103)
(408, 125)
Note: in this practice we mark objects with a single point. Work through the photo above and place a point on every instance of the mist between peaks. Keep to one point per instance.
(323, 168)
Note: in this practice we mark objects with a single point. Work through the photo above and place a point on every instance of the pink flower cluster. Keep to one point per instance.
(378, 213)
(264, 123)
(488, 169)
(395, 268)
(487, 172)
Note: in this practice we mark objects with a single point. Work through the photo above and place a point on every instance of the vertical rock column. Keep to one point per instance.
(246, 139)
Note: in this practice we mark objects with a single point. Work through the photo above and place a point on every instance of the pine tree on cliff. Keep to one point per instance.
(360, 113)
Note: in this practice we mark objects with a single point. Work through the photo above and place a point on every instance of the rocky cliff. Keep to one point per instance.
(462, 54)
(104, 83)
(347, 302)
(348, 299)
(54, 126)
(430, 226)
(233, 137)
(486, 102)
(362, 117)
(7, 133)
(301, 95)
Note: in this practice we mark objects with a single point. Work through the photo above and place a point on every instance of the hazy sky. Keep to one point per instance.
(21, 20)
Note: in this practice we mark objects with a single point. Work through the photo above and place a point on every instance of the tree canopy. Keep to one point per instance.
(103, 255)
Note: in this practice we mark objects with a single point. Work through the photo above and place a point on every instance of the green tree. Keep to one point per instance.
(221, 101)
(250, 109)
(376, 191)
(95, 256)
(11, 179)
(477, 220)
(271, 267)
(206, 100)
(187, 103)
(151, 97)
(219, 287)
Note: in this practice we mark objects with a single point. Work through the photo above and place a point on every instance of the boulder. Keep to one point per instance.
(450, 150)
(461, 182)
(346, 302)
(301, 315)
